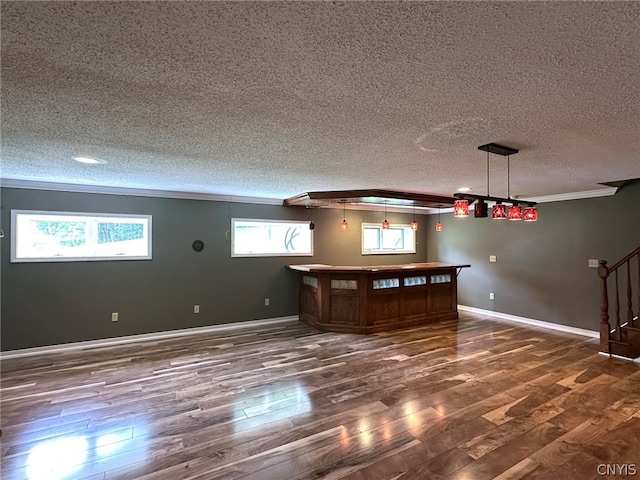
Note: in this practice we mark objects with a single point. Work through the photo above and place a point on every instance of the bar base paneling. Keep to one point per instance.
(376, 298)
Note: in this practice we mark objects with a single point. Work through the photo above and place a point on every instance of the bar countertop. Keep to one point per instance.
(319, 267)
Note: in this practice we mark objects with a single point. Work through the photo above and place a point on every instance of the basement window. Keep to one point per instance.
(395, 239)
(270, 238)
(40, 236)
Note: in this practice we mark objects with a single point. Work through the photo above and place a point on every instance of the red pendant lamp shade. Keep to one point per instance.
(461, 208)
(515, 213)
(499, 212)
(530, 214)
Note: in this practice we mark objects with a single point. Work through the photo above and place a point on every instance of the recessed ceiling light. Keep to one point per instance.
(464, 189)
(89, 160)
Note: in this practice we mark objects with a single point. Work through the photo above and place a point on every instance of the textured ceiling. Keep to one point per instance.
(270, 99)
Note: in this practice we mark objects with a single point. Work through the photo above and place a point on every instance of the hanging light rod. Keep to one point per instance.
(498, 150)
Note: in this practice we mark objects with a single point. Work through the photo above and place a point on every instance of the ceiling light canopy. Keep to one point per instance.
(89, 160)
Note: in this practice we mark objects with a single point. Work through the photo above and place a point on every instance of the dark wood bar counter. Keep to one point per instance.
(372, 299)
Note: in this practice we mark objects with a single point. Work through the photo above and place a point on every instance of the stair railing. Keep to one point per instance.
(624, 265)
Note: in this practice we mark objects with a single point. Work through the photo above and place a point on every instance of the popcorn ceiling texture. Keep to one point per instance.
(276, 98)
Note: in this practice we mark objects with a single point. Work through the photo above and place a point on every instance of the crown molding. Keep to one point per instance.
(560, 197)
(136, 192)
(143, 192)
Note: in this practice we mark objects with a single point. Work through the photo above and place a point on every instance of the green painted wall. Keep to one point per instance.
(542, 268)
(54, 303)
(541, 271)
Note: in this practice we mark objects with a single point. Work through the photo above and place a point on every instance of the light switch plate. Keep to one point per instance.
(593, 263)
(492, 258)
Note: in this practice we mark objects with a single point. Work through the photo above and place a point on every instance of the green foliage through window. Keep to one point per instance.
(65, 236)
(119, 232)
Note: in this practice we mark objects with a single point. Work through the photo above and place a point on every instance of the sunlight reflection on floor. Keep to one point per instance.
(65, 457)
(57, 458)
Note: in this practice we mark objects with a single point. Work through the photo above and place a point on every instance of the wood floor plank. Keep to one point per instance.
(473, 398)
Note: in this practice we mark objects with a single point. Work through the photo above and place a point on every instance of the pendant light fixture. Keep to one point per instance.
(515, 212)
(499, 211)
(439, 226)
(385, 224)
(461, 208)
(530, 214)
(344, 225)
(414, 224)
(311, 224)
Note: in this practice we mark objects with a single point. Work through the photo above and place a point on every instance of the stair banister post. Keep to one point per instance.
(629, 296)
(605, 328)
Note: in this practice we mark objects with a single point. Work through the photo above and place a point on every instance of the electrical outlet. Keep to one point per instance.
(493, 259)
(492, 296)
(266, 302)
(593, 263)
(196, 309)
(114, 317)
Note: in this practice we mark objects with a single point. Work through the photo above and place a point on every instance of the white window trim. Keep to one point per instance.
(262, 220)
(387, 251)
(14, 235)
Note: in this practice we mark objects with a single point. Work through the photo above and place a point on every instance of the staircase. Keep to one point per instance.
(623, 337)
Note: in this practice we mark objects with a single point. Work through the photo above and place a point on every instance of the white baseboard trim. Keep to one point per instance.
(637, 360)
(144, 337)
(530, 321)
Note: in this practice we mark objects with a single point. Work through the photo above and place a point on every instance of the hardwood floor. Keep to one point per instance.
(469, 399)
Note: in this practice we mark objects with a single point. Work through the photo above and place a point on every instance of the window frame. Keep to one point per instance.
(389, 251)
(276, 254)
(89, 215)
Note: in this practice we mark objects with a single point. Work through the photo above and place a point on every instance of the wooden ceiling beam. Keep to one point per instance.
(370, 197)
